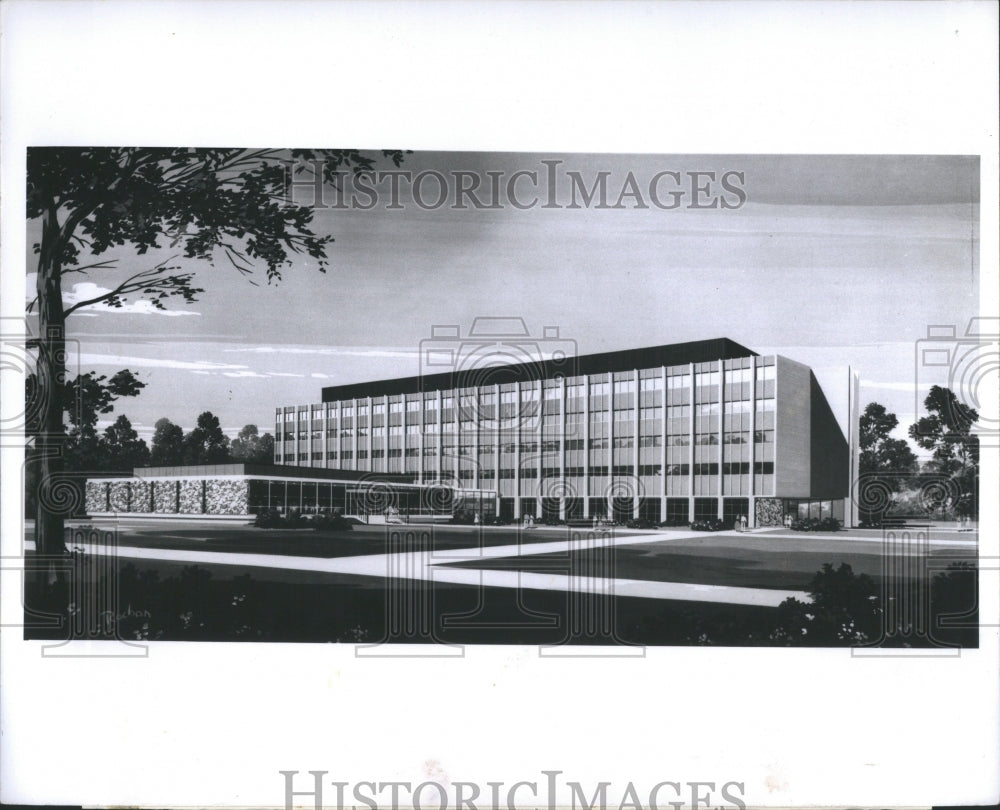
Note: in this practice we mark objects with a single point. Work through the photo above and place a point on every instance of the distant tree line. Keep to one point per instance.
(118, 448)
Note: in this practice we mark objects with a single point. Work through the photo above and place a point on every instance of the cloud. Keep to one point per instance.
(120, 360)
(332, 351)
(86, 290)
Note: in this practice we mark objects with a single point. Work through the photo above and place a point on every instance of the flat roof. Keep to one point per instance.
(673, 354)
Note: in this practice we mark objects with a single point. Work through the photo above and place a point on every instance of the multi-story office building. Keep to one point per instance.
(678, 432)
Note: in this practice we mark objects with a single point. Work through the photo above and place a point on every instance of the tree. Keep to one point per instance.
(84, 399)
(93, 396)
(948, 431)
(876, 424)
(884, 459)
(203, 203)
(168, 444)
(206, 444)
(121, 446)
(252, 448)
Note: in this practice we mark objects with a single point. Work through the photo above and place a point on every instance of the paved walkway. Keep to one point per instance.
(423, 565)
(433, 566)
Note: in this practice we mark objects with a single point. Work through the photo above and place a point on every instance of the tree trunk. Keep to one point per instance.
(51, 372)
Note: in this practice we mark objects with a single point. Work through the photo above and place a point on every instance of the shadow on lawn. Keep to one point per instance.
(848, 609)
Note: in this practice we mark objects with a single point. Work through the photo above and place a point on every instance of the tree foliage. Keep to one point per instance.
(947, 430)
(168, 444)
(206, 444)
(85, 399)
(884, 459)
(204, 204)
(122, 448)
(252, 448)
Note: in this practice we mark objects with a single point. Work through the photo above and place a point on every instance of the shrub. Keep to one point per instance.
(827, 524)
(267, 519)
(273, 519)
(845, 610)
(709, 525)
(463, 517)
(326, 521)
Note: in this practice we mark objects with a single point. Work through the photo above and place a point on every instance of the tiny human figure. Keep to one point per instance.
(743, 523)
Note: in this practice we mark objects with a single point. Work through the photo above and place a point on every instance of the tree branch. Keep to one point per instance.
(146, 280)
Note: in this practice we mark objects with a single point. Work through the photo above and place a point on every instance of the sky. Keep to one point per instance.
(829, 260)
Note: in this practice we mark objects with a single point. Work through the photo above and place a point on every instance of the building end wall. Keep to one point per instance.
(792, 428)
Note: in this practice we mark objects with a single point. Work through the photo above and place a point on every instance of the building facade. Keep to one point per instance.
(682, 432)
(242, 490)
